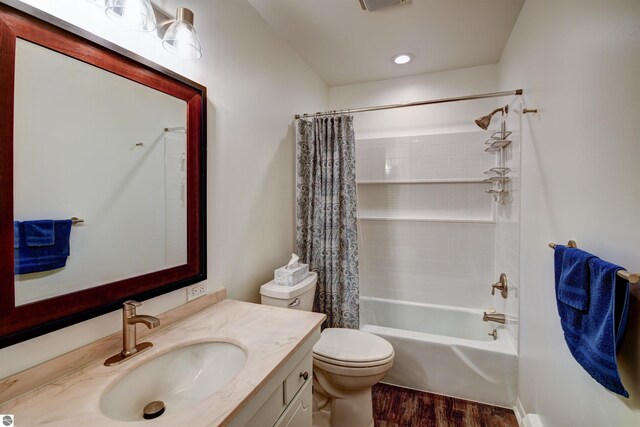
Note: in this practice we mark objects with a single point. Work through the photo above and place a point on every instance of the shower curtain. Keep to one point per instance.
(326, 223)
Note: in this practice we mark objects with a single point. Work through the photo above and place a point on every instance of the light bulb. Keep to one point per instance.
(402, 58)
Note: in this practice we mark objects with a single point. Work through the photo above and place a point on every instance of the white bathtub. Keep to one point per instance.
(444, 350)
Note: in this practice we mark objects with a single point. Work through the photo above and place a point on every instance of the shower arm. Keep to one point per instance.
(503, 110)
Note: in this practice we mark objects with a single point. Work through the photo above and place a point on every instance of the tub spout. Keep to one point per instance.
(494, 317)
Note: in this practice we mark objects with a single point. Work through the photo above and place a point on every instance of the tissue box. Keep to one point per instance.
(284, 276)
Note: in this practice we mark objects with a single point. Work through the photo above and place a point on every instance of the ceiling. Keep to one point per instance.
(347, 45)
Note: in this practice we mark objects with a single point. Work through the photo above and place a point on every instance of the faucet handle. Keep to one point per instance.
(131, 305)
(502, 286)
(499, 285)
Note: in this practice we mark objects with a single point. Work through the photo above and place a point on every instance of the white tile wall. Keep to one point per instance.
(426, 242)
(434, 262)
(441, 156)
(447, 201)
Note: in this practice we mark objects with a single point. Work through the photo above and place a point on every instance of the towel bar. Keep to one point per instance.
(75, 220)
(176, 129)
(632, 278)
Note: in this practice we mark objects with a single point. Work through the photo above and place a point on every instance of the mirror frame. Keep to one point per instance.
(23, 322)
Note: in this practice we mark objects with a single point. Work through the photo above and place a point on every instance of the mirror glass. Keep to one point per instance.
(105, 149)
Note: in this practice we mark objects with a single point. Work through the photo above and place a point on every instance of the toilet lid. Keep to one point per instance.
(351, 345)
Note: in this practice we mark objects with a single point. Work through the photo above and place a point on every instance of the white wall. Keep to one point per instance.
(255, 84)
(578, 62)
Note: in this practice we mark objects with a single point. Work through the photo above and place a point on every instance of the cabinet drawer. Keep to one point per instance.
(298, 377)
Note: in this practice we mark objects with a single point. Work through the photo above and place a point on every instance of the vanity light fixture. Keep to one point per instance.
(402, 58)
(181, 38)
(178, 35)
(136, 15)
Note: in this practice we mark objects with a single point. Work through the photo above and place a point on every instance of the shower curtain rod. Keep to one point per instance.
(411, 104)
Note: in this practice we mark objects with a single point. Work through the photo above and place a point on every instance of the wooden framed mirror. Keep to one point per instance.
(92, 132)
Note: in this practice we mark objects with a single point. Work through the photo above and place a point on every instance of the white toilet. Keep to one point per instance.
(346, 362)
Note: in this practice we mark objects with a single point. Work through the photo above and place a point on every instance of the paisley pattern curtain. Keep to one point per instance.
(326, 226)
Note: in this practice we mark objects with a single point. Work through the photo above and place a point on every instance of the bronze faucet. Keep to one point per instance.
(129, 320)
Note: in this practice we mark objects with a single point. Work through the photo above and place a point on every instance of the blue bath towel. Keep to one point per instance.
(594, 336)
(33, 258)
(573, 285)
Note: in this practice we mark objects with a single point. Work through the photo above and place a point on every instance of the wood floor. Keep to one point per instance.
(401, 407)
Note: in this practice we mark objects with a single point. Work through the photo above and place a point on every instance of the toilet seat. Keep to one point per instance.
(350, 371)
(351, 348)
(347, 364)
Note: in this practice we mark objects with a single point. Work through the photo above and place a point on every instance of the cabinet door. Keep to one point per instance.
(299, 413)
(270, 410)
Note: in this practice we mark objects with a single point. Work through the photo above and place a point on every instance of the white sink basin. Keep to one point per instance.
(179, 378)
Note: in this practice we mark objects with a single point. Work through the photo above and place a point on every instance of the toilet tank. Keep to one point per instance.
(299, 297)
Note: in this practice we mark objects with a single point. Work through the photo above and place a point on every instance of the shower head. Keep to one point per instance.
(484, 121)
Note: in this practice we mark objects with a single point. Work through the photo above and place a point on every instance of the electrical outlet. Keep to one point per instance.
(196, 291)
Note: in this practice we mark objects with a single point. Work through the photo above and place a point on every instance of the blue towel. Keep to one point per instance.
(573, 286)
(595, 335)
(39, 233)
(16, 234)
(31, 259)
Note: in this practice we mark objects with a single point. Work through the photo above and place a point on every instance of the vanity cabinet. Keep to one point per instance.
(285, 400)
(290, 404)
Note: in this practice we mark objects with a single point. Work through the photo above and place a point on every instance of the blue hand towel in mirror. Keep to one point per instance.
(572, 276)
(595, 335)
(39, 233)
(16, 234)
(34, 258)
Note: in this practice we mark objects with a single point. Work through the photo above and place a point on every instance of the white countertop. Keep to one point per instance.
(268, 335)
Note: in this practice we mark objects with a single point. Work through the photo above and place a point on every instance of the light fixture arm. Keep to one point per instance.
(184, 14)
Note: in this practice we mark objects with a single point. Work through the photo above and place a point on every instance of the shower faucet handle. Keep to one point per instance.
(502, 286)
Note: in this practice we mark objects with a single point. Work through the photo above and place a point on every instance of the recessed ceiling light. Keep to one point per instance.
(402, 58)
